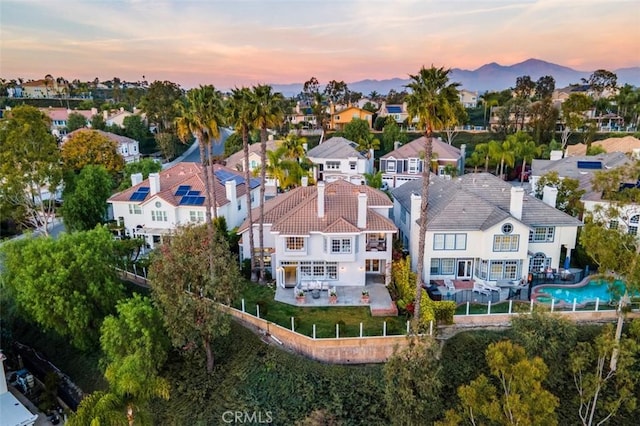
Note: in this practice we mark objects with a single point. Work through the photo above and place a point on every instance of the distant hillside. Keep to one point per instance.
(491, 76)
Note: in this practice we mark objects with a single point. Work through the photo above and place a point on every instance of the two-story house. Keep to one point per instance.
(397, 111)
(154, 207)
(128, 148)
(337, 232)
(468, 99)
(406, 163)
(480, 227)
(338, 158)
(60, 116)
(340, 118)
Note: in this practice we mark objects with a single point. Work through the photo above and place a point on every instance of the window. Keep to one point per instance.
(341, 245)
(413, 165)
(239, 205)
(633, 225)
(504, 270)
(295, 244)
(352, 165)
(333, 165)
(134, 209)
(158, 204)
(196, 216)
(373, 265)
(447, 266)
(507, 228)
(435, 266)
(316, 270)
(266, 255)
(539, 261)
(391, 165)
(542, 234)
(158, 215)
(505, 242)
(613, 224)
(449, 241)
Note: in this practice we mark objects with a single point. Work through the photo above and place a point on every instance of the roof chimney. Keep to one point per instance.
(154, 183)
(94, 111)
(463, 157)
(550, 195)
(230, 191)
(321, 199)
(136, 178)
(304, 180)
(396, 145)
(362, 210)
(517, 199)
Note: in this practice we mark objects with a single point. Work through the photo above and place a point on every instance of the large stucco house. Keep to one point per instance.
(154, 207)
(338, 158)
(479, 227)
(338, 232)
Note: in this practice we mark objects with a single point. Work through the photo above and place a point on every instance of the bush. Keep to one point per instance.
(444, 311)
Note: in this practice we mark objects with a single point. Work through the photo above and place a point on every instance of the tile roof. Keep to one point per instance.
(237, 159)
(187, 174)
(415, 149)
(296, 212)
(119, 139)
(477, 201)
(336, 147)
(626, 144)
(62, 114)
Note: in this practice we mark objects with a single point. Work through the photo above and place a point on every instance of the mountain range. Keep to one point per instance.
(489, 77)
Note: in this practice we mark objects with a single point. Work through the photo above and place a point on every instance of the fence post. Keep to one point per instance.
(531, 308)
(574, 305)
(360, 329)
(314, 331)
(431, 328)
(510, 306)
(337, 331)
(407, 326)
(384, 329)
(242, 305)
(553, 304)
(597, 303)
(258, 311)
(468, 307)
(135, 271)
(293, 324)
(489, 308)
(144, 271)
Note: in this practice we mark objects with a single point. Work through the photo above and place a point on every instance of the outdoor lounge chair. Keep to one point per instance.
(480, 287)
(449, 284)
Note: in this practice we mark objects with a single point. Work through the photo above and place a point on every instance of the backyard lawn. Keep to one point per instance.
(325, 318)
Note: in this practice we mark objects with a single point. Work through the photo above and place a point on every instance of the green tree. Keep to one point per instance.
(85, 199)
(90, 147)
(519, 398)
(159, 104)
(601, 80)
(145, 166)
(503, 153)
(167, 143)
(569, 197)
(287, 171)
(293, 146)
(432, 102)
(526, 149)
(391, 133)
(573, 114)
(374, 179)
(268, 112)
(336, 92)
(187, 294)
(30, 169)
(76, 121)
(97, 122)
(356, 130)
(543, 120)
(241, 112)
(545, 87)
(67, 285)
(604, 377)
(412, 383)
(200, 114)
(136, 128)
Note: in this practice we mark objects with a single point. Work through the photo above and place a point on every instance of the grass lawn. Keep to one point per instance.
(325, 318)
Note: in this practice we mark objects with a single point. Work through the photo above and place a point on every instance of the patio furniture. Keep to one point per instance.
(449, 284)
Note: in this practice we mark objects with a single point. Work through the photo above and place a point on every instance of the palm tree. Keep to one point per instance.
(432, 101)
(294, 146)
(482, 150)
(287, 171)
(200, 115)
(241, 112)
(366, 144)
(269, 112)
(526, 149)
(503, 153)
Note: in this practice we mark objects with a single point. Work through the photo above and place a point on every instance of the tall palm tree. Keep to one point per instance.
(503, 153)
(526, 149)
(241, 112)
(294, 146)
(433, 102)
(269, 112)
(482, 150)
(200, 115)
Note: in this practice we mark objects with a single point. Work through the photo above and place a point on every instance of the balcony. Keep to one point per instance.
(376, 243)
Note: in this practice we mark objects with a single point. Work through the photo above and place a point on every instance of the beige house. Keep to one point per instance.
(338, 119)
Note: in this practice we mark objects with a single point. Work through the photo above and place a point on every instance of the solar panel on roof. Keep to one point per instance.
(143, 189)
(138, 196)
(193, 193)
(182, 190)
(394, 109)
(198, 201)
(592, 165)
(185, 200)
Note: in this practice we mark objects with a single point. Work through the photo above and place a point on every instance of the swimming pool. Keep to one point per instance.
(603, 290)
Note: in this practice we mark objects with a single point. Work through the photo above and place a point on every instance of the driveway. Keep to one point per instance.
(192, 155)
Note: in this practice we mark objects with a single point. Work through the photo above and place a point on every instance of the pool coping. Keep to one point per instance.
(537, 293)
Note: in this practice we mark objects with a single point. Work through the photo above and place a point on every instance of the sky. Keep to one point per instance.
(231, 43)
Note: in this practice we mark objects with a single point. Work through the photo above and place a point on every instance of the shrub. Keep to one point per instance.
(444, 311)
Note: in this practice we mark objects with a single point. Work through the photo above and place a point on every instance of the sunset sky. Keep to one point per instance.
(241, 42)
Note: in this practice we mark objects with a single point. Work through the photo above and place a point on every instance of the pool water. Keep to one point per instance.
(597, 289)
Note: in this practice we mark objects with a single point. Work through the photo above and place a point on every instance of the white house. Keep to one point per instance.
(338, 158)
(338, 232)
(480, 227)
(406, 162)
(154, 207)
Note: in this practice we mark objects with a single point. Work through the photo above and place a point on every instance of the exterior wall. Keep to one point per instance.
(339, 119)
(344, 172)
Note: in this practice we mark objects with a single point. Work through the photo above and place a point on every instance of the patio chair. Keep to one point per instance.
(480, 287)
(491, 287)
(449, 284)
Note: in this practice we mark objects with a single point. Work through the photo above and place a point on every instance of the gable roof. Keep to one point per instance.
(626, 144)
(296, 212)
(477, 201)
(119, 139)
(415, 149)
(347, 108)
(62, 114)
(188, 174)
(237, 159)
(336, 147)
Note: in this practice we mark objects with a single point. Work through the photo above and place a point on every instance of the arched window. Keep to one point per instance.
(539, 261)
